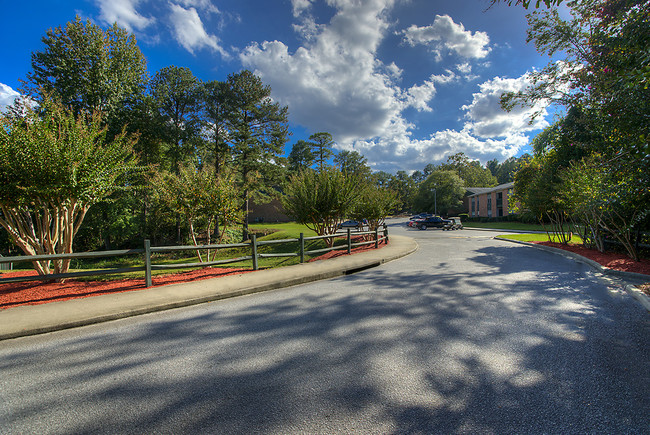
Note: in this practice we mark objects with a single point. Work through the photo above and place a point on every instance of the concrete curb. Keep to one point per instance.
(632, 290)
(39, 319)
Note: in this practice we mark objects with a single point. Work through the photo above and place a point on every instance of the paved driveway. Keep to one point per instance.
(468, 335)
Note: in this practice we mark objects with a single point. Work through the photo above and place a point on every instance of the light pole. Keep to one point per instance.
(435, 202)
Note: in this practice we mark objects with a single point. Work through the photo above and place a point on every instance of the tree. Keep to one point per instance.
(352, 162)
(301, 156)
(321, 200)
(177, 95)
(258, 132)
(470, 171)
(322, 148)
(442, 190)
(202, 197)
(526, 3)
(405, 188)
(217, 106)
(89, 69)
(373, 205)
(53, 167)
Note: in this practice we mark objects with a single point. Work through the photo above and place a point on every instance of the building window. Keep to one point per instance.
(489, 205)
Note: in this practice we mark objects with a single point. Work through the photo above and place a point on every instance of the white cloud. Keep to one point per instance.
(486, 117)
(445, 34)
(123, 12)
(335, 82)
(190, 32)
(300, 6)
(7, 96)
(205, 5)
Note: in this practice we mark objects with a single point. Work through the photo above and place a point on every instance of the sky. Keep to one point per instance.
(403, 82)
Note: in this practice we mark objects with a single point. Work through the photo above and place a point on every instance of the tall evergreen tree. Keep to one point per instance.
(176, 95)
(322, 148)
(258, 133)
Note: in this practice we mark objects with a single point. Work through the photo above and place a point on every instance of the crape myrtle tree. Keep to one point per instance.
(202, 197)
(321, 200)
(54, 165)
(374, 204)
(604, 76)
(258, 130)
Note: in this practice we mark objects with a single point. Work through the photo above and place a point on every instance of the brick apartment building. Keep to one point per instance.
(488, 202)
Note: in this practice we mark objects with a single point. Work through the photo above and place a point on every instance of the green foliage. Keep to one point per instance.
(217, 106)
(321, 200)
(470, 171)
(526, 3)
(322, 148)
(53, 167)
(353, 163)
(258, 131)
(442, 191)
(89, 69)
(201, 197)
(374, 204)
(301, 156)
(176, 96)
(603, 83)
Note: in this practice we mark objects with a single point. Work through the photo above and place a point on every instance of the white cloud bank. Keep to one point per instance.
(7, 96)
(183, 18)
(445, 34)
(190, 32)
(123, 12)
(335, 82)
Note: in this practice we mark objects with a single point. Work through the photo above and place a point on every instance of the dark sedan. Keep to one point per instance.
(430, 222)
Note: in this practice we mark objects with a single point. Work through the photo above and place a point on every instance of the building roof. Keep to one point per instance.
(479, 190)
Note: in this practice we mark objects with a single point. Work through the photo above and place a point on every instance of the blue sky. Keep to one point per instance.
(404, 82)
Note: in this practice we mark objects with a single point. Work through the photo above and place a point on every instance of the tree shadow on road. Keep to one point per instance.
(503, 347)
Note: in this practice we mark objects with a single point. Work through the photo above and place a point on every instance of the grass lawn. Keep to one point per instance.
(508, 226)
(575, 240)
(504, 226)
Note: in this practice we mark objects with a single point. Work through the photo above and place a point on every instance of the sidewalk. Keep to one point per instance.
(38, 319)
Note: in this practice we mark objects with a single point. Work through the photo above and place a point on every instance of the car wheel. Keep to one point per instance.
(423, 227)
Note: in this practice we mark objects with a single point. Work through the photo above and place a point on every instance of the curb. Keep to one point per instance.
(631, 290)
(55, 316)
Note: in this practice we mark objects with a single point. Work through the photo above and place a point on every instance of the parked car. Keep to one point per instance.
(430, 222)
(454, 224)
(350, 224)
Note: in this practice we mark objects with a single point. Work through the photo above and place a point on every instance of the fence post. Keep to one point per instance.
(349, 242)
(254, 248)
(377, 237)
(302, 247)
(385, 234)
(147, 262)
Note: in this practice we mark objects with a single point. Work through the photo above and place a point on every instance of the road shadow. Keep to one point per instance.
(509, 345)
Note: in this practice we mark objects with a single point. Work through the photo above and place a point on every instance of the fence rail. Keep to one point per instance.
(148, 267)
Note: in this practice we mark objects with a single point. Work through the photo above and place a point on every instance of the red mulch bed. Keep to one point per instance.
(36, 292)
(611, 260)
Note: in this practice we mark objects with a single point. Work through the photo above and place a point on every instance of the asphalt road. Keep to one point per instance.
(467, 335)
